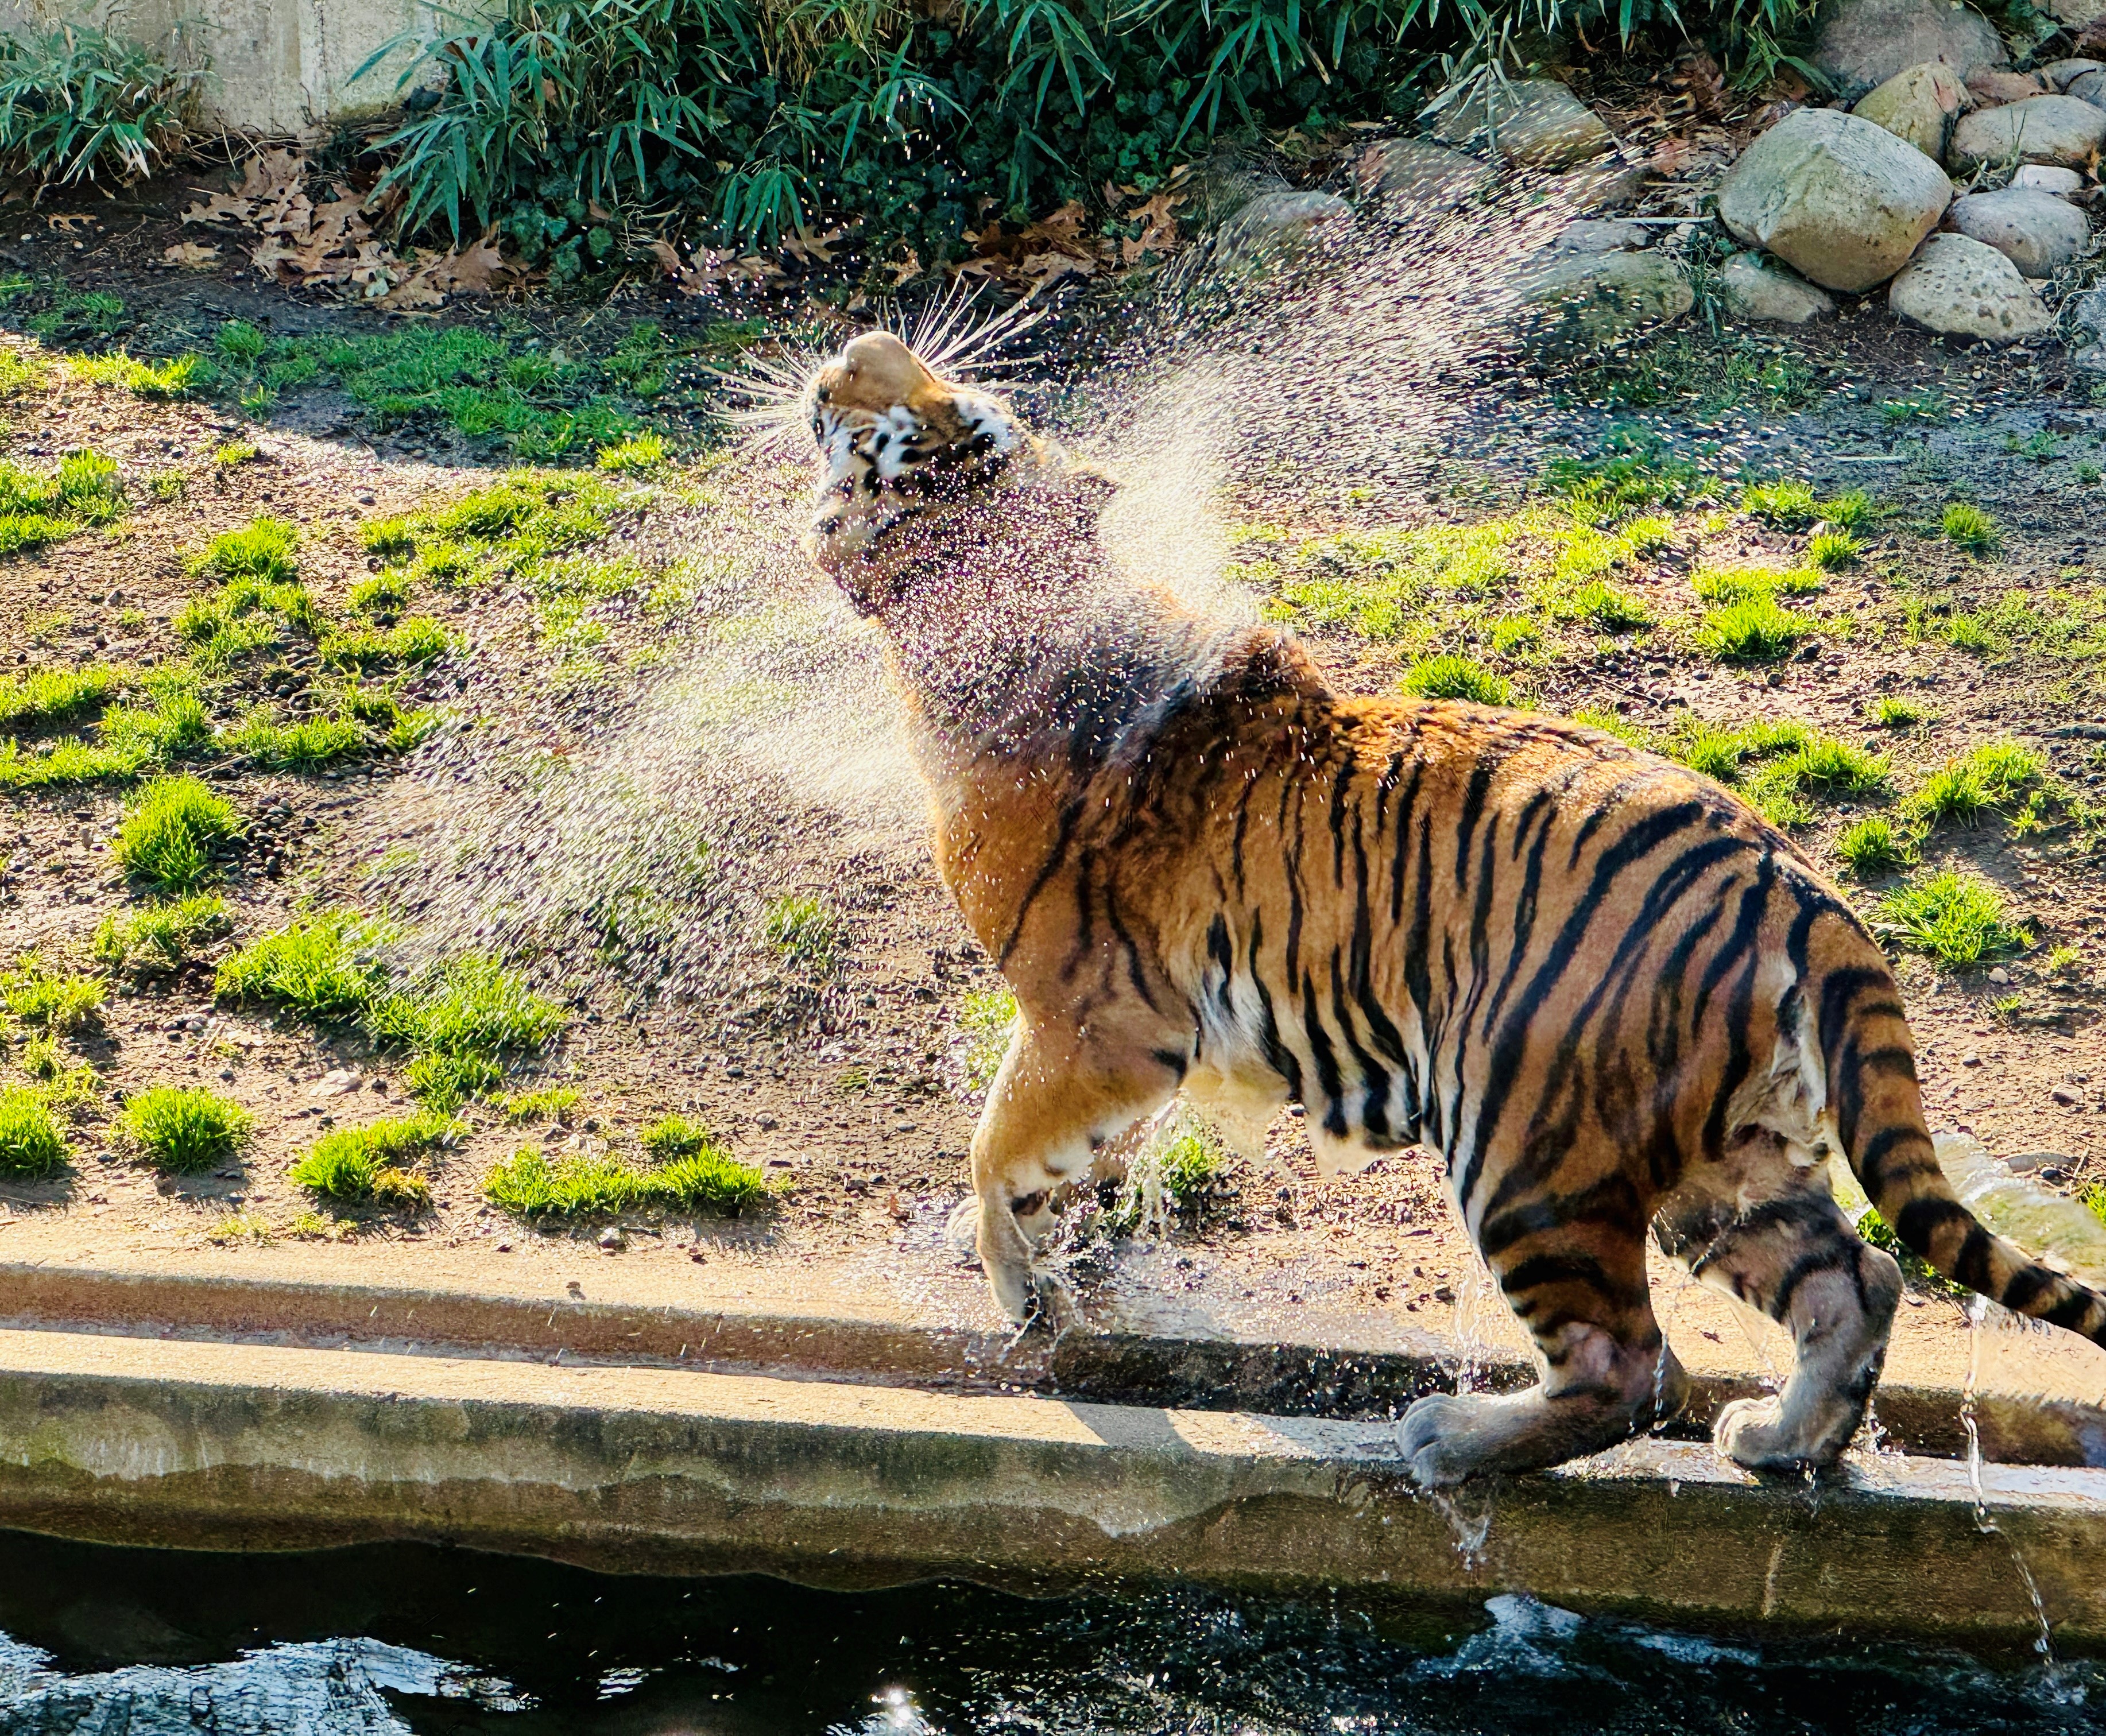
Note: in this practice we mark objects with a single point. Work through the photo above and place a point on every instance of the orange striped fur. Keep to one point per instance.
(1610, 997)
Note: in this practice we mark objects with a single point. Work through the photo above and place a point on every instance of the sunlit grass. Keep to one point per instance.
(184, 1129)
(1954, 919)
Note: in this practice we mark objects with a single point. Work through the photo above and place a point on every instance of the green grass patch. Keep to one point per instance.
(1967, 526)
(1832, 550)
(1875, 846)
(1961, 791)
(443, 1083)
(36, 510)
(1778, 767)
(557, 1103)
(55, 695)
(373, 1164)
(1953, 918)
(1791, 505)
(323, 967)
(32, 1144)
(265, 549)
(469, 1007)
(643, 452)
(173, 831)
(1890, 713)
(410, 643)
(1449, 677)
(381, 598)
(184, 1129)
(59, 1001)
(177, 377)
(1727, 584)
(1754, 629)
(163, 935)
(307, 745)
(803, 929)
(529, 1184)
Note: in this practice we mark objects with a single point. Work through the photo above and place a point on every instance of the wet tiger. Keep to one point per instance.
(1605, 993)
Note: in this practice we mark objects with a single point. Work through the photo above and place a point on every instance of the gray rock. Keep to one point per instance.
(1967, 289)
(2041, 129)
(1596, 235)
(2089, 87)
(2061, 74)
(2037, 232)
(1529, 124)
(1754, 289)
(1419, 172)
(1842, 201)
(1918, 103)
(1989, 85)
(2047, 177)
(1275, 227)
(2085, 315)
(1865, 42)
(2076, 13)
(1573, 302)
(1605, 184)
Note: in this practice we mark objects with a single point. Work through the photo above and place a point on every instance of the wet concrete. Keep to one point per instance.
(648, 1469)
(2040, 1395)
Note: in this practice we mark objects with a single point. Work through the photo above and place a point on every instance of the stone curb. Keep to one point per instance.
(1218, 1372)
(218, 1445)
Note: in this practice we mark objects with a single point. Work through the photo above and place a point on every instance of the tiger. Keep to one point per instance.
(1608, 997)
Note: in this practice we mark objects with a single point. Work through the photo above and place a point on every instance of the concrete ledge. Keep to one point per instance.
(833, 1335)
(641, 1468)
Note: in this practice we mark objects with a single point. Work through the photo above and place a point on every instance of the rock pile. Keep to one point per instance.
(1961, 184)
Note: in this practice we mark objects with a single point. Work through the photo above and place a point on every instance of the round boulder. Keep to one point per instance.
(1967, 289)
(1756, 289)
(2089, 86)
(1574, 302)
(1419, 172)
(1530, 123)
(1841, 200)
(1865, 42)
(2041, 129)
(2061, 74)
(1918, 103)
(2049, 177)
(2037, 232)
(1281, 225)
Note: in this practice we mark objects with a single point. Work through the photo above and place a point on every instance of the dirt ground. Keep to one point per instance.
(847, 1071)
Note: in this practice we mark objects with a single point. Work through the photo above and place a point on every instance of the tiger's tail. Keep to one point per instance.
(1879, 1117)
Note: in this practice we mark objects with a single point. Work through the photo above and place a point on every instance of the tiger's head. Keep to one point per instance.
(910, 462)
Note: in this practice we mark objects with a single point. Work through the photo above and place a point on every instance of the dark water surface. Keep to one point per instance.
(384, 1639)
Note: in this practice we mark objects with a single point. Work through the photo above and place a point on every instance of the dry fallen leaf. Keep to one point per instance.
(196, 254)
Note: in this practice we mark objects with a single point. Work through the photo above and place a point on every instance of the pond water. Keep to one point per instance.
(385, 1640)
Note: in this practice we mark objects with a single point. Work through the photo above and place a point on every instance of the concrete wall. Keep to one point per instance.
(277, 66)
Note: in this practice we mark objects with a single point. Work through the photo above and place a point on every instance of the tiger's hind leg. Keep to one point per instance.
(1580, 1287)
(1797, 1258)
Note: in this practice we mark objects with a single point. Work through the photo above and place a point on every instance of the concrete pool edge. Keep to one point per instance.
(636, 1470)
(824, 1338)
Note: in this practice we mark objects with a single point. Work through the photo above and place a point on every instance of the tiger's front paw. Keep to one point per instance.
(1436, 1438)
(1747, 1432)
